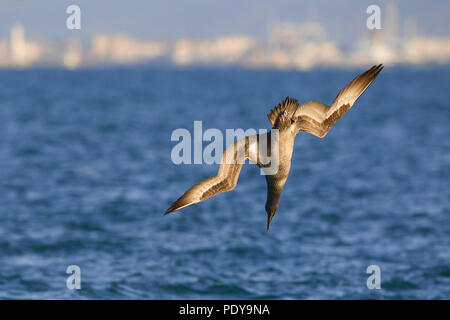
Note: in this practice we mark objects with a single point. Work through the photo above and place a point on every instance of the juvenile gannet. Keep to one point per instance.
(313, 117)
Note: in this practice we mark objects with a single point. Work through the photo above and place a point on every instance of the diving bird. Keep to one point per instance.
(289, 118)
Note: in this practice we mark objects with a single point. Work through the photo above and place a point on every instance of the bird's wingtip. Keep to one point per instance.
(179, 204)
(171, 209)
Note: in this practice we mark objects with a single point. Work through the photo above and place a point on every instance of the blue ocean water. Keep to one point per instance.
(86, 175)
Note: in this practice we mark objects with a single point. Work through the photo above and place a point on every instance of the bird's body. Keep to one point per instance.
(288, 119)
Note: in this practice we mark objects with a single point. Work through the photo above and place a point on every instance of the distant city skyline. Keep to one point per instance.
(282, 44)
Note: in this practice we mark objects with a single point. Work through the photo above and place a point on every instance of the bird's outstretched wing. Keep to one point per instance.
(317, 118)
(226, 179)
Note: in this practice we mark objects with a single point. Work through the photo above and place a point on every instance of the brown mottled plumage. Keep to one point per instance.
(288, 118)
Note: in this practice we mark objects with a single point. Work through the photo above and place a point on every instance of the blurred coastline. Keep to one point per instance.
(286, 45)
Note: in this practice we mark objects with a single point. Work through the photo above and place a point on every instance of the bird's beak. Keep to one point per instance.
(269, 220)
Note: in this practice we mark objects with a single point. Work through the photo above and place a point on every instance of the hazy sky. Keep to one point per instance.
(169, 19)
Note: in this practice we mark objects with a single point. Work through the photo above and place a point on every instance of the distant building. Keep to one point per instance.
(297, 46)
(426, 50)
(73, 56)
(23, 53)
(125, 50)
(373, 49)
(221, 50)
